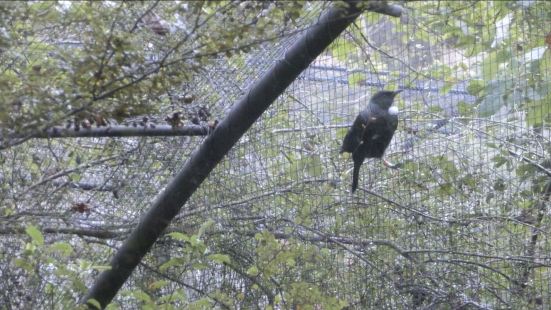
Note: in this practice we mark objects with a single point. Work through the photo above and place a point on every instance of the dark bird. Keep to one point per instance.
(372, 131)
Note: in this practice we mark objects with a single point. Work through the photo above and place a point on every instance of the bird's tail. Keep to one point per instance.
(355, 176)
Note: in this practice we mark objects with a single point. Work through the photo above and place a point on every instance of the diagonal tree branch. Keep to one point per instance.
(213, 149)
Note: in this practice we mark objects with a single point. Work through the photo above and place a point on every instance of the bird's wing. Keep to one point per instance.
(377, 135)
(353, 137)
(372, 128)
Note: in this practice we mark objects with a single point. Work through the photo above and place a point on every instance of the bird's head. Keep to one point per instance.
(384, 98)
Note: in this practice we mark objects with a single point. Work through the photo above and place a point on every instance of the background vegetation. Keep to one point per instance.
(463, 224)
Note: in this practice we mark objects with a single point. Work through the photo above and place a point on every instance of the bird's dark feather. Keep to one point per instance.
(371, 132)
(378, 133)
(353, 136)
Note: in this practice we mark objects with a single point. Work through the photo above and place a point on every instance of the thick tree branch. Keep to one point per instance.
(213, 149)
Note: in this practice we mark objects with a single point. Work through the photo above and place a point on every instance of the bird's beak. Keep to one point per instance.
(396, 92)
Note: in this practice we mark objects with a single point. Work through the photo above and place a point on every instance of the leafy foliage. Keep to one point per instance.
(463, 222)
(104, 58)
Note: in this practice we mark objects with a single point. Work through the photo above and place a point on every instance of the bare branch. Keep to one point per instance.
(149, 130)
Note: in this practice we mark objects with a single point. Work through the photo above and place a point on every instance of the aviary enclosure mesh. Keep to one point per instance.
(463, 222)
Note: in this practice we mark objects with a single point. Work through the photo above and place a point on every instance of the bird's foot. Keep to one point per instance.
(391, 165)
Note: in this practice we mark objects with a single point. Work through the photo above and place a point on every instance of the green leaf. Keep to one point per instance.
(446, 88)
(197, 243)
(179, 236)
(158, 285)
(63, 248)
(199, 266)
(220, 258)
(203, 303)
(446, 189)
(35, 234)
(21, 263)
(465, 109)
(100, 267)
(290, 262)
(355, 78)
(173, 262)
(525, 171)
(475, 87)
(176, 295)
(499, 161)
(141, 295)
(341, 132)
(253, 271)
(93, 302)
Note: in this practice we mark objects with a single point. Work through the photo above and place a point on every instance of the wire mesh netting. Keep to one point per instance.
(463, 222)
